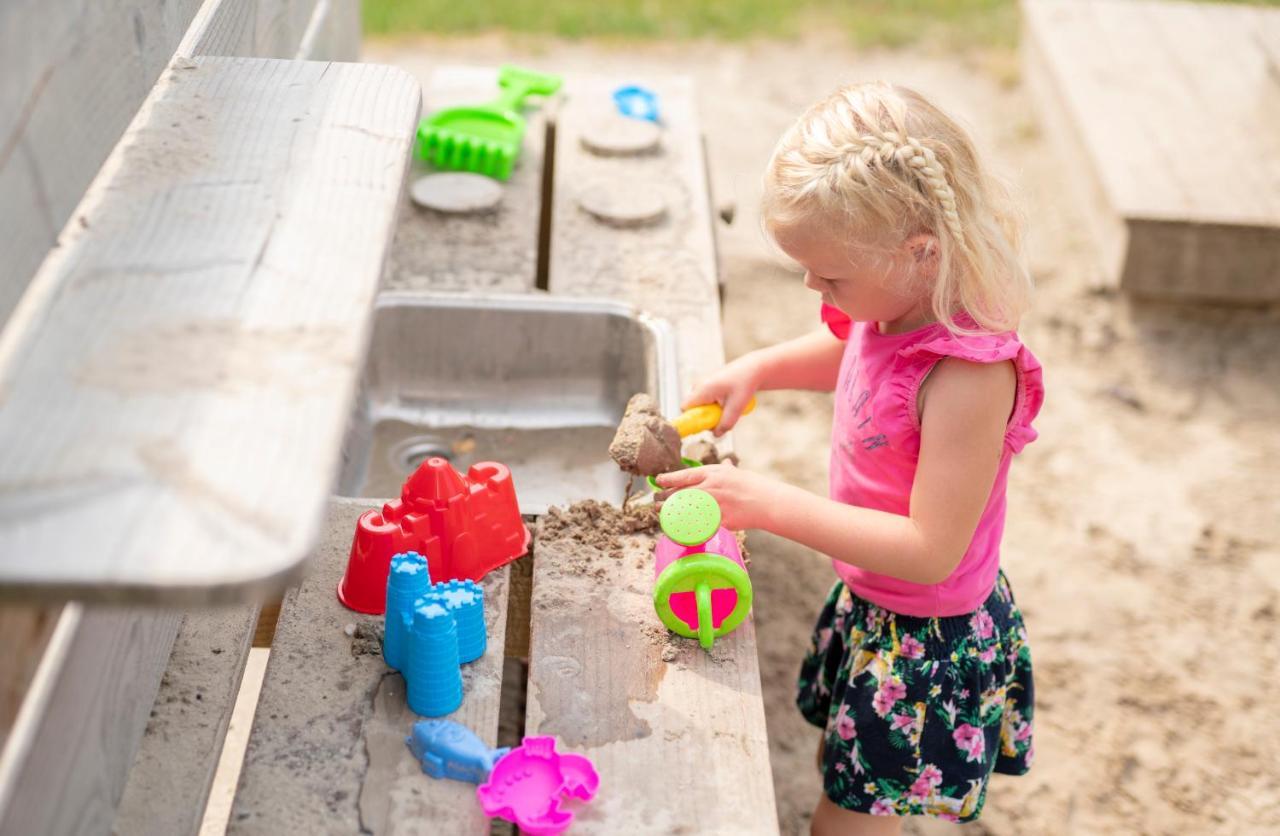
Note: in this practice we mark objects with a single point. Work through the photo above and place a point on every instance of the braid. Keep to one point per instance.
(869, 150)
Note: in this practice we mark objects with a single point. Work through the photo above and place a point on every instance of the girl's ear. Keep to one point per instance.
(924, 250)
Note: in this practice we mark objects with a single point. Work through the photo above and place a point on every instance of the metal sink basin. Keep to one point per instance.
(535, 382)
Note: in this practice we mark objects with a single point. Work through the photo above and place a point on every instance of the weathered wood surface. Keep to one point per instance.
(73, 76)
(1170, 114)
(181, 374)
(65, 765)
(173, 771)
(677, 734)
(327, 751)
(668, 267)
(496, 250)
(250, 28)
(604, 676)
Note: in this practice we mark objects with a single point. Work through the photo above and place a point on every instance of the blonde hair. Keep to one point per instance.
(881, 163)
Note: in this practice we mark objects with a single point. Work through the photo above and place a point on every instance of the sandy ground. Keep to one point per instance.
(1143, 539)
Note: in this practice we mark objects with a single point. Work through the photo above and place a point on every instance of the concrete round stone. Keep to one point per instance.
(614, 135)
(457, 193)
(623, 203)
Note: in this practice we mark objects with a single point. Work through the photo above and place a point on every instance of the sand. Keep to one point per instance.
(646, 444)
(1143, 538)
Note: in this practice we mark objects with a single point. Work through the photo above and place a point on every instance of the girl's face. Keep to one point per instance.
(867, 284)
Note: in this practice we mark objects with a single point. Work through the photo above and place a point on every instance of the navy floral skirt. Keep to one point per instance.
(918, 712)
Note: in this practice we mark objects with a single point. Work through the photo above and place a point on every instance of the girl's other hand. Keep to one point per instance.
(746, 498)
(731, 387)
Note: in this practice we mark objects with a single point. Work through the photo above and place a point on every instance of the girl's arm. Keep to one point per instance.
(808, 362)
(962, 439)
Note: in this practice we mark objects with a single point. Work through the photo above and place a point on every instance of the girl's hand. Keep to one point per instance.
(731, 387)
(746, 499)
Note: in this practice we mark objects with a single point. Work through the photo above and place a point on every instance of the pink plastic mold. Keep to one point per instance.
(529, 782)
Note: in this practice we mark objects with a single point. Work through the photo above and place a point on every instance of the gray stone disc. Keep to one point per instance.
(622, 203)
(614, 135)
(456, 192)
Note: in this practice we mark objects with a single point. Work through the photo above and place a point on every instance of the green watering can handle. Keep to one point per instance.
(518, 84)
(706, 633)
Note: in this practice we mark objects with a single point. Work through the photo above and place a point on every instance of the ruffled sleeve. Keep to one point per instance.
(896, 411)
(837, 320)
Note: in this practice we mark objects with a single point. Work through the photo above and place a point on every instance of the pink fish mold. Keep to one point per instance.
(528, 784)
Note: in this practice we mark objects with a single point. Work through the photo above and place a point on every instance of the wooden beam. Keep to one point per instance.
(174, 768)
(178, 381)
(64, 767)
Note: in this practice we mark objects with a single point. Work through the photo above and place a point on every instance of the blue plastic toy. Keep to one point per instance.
(432, 676)
(430, 629)
(450, 750)
(408, 580)
(637, 102)
(465, 602)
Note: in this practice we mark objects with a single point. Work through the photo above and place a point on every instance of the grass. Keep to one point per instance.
(958, 23)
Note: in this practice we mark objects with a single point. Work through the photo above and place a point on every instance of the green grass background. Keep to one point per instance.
(990, 23)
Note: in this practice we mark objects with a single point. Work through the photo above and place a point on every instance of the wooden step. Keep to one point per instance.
(1168, 117)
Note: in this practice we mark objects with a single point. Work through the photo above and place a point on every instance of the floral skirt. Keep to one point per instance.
(918, 712)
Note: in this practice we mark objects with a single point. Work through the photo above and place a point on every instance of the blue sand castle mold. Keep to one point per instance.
(432, 674)
(465, 601)
(428, 648)
(408, 580)
(450, 750)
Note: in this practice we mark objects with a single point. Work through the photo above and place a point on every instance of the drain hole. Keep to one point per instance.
(413, 452)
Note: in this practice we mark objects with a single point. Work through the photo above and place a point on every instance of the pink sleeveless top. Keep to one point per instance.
(875, 445)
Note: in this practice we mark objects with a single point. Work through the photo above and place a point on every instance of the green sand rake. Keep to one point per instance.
(484, 138)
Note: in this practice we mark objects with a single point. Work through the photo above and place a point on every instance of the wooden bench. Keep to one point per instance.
(1166, 113)
(678, 734)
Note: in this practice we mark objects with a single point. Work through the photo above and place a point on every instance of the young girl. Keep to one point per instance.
(919, 671)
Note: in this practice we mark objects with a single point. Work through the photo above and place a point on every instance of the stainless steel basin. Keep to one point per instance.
(535, 382)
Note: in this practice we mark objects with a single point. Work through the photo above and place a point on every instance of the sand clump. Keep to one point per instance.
(646, 444)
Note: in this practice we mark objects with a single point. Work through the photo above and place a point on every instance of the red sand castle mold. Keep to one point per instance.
(466, 526)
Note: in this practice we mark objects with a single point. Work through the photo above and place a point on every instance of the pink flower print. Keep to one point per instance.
(882, 807)
(948, 817)
(1023, 732)
(911, 647)
(963, 694)
(902, 722)
(932, 774)
(875, 617)
(988, 656)
(891, 690)
(969, 740)
(840, 766)
(982, 624)
(920, 790)
(844, 724)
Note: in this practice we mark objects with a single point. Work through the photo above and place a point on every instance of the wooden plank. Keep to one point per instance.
(492, 251)
(64, 768)
(27, 630)
(249, 28)
(661, 718)
(1125, 76)
(333, 33)
(327, 753)
(74, 75)
(221, 280)
(667, 268)
(173, 771)
(604, 677)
